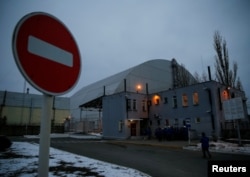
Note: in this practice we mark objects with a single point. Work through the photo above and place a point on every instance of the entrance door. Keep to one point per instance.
(133, 129)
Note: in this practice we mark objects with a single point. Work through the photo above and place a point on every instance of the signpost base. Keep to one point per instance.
(45, 127)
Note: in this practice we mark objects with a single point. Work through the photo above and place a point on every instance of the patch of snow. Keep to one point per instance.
(25, 163)
(68, 135)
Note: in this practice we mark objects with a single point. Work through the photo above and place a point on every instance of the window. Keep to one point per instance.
(120, 125)
(195, 98)
(165, 100)
(176, 122)
(158, 122)
(128, 104)
(156, 99)
(184, 100)
(197, 120)
(134, 105)
(144, 106)
(225, 94)
(174, 102)
(167, 122)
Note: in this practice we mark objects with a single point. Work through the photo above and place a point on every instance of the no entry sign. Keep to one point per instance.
(46, 53)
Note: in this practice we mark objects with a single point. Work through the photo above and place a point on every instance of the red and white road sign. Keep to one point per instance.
(46, 53)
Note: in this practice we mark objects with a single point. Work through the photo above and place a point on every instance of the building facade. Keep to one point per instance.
(155, 94)
(198, 107)
(158, 74)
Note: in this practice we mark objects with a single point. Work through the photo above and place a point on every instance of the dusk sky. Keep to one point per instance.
(114, 35)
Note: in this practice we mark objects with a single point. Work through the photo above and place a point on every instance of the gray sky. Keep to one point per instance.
(113, 35)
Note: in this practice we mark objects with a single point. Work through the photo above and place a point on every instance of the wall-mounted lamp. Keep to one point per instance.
(138, 88)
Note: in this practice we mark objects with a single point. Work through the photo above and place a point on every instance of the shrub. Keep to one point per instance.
(5, 143)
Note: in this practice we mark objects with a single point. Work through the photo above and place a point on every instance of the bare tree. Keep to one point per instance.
(223, 73)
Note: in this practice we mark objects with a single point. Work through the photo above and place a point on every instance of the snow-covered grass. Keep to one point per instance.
(22, 160)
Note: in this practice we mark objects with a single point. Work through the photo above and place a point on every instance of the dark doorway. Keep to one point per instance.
(133, 129)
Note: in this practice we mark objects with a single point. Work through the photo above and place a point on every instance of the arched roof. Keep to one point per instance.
(156, 73)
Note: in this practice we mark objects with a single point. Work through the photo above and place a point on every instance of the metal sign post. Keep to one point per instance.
(48, 57)
(188, 125)
(189, 138)
(43, 167)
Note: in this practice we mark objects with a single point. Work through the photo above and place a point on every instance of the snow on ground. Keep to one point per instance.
(69, 135)
(223, 147)
(22, 160)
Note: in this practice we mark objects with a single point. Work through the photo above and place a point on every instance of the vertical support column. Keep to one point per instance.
(45, 127)
(125, 85)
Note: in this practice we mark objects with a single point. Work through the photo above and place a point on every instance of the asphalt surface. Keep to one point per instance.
(155, 159)
(158, 159)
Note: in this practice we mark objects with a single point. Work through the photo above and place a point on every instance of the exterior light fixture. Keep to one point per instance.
(138, 88)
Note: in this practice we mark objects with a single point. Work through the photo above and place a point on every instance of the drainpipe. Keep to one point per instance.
(211, 107)
(147, 100)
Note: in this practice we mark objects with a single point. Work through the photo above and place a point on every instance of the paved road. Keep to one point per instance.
(153, 160)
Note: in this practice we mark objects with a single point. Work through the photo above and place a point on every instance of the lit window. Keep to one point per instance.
(195, 98)
(156, 99)
(184, 100)
(174, 102)
(225, 94)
